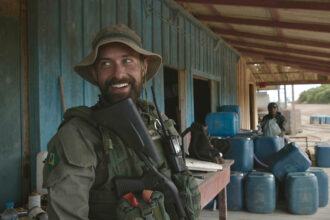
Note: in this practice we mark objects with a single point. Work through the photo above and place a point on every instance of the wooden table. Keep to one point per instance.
(213, 184)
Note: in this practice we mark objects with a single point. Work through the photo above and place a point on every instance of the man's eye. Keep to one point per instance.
(127, 60)
(105, 63)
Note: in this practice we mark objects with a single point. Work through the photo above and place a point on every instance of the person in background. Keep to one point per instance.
(273, 124)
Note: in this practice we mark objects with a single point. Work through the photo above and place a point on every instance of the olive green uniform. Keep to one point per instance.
(84, 157)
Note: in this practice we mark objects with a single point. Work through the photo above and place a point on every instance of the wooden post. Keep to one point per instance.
(62, 93)
(293, 113)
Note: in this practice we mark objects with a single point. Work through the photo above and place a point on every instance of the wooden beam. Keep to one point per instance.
(304, 68)
(303, 42)
(281, 49)
(271, 83)
(311, 5)
(266, 23)
(298, 59)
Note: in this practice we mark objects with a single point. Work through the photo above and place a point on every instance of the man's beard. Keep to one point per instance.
(112, 98)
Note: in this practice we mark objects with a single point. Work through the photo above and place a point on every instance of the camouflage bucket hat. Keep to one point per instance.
(121, 34)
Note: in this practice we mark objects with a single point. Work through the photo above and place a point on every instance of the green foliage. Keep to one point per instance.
(318, 95)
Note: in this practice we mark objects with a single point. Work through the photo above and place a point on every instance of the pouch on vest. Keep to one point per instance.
(153, 209)
(189, 193)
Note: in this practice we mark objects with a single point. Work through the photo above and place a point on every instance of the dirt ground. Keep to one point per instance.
(313, 133)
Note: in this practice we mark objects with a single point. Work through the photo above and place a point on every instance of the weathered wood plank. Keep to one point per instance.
(157, 38)
(174, 38)
(71, 51)
(49, 71)
(11, 139)
(107, 11)
(122, 12)
(91, 24)
(166, 41)
(135, 16)
(181, 42)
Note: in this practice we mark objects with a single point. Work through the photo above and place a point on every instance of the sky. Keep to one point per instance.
(273, 94)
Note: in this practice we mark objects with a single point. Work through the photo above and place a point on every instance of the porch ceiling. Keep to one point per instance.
(283, 41)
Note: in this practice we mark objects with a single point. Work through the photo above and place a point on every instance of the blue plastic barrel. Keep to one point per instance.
(232, 108)
(264, 148)
(241, 150)
(321, 119)
(260, 192)
(322, 180)
(301, 191)
(322, 154)
(314, 119)
(327, 120)
(222, 123)
(235, 191)
(289, 159)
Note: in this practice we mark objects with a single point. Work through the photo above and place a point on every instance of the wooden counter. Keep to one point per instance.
(213, 184)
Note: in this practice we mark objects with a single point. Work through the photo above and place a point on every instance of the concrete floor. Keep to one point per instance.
(279, 214)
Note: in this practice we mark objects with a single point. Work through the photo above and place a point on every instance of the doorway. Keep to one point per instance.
(171, 93)
(202, 99)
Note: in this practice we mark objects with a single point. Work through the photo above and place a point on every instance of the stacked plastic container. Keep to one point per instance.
(235, 191)
(241, 150)
(232, 108)
(289, 159)
(222, 123)
(264, 148)
(322, 180)
(301, 191)
(260, 192)
(322, 154)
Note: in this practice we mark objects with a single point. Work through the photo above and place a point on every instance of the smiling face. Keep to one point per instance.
(119, 72)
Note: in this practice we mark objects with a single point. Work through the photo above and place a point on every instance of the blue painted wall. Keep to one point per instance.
(60, 34)
(11, 138)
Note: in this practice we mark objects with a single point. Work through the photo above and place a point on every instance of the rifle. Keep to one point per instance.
(124, 120)
(174, 153)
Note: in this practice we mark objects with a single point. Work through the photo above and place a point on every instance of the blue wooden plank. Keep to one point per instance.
(193, 45)
(181, 42)
(157, 38)
(49, 72)
(10, 112)
(71, 51)
(135, 16)
(187, 45)
(173, 38)
(122, 12)
(108, 11)
(147, 26)
(202, 50)
(198, 48)
(91, 24)
(166, 34)
(33, 82)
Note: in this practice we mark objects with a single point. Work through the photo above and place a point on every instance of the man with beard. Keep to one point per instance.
(84, 157)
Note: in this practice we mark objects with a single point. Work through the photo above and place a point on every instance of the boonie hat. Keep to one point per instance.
(121, 34)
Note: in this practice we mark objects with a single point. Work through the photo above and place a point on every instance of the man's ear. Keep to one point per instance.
(145, 66)
(93, 72)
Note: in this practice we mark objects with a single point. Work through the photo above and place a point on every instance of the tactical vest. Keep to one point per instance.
(115, 159)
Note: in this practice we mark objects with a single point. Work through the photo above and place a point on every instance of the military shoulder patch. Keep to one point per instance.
(52, 159)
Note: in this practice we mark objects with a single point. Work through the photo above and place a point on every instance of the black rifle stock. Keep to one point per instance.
(124, 120)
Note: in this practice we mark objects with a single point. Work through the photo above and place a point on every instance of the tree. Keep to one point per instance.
(318, 95)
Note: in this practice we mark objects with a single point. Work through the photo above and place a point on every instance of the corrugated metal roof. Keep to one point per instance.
(283, 41)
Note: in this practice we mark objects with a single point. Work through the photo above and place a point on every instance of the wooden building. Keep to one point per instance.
(41, 40)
